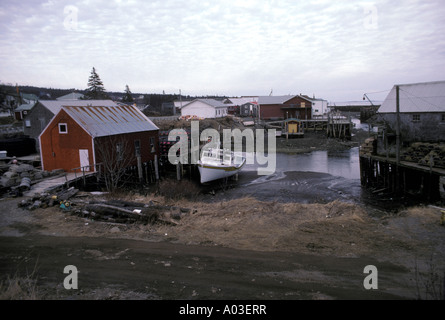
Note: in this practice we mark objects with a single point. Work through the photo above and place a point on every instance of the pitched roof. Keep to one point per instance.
(101, 121)
(241, 101)
(71, 96)
(416, 97)
(25, 106)
(55, 105)
(211, 102)
(278, 99)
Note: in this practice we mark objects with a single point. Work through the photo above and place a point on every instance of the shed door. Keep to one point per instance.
(84, 159)
(293, 127)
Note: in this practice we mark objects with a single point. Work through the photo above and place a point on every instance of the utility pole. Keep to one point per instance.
(397, 138)
(397, 125)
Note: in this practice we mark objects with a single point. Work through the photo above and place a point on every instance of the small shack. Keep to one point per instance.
(292, 127)
(82, 136)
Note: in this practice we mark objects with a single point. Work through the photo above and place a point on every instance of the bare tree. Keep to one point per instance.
(116, 155)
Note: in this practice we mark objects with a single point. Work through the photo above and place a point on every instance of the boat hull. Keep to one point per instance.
(209, 172)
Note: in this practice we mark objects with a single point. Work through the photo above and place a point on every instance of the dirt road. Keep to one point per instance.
(129, 269)
(220, 253)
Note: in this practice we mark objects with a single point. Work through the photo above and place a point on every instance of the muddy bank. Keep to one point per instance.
(238, 249)
(290, 235)
(284, 187)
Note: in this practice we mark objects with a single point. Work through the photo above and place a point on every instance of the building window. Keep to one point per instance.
(28, 123)
(416, 117)
(42, 124)
(137, 148)
(63, 128)
(120, 151)
(152, 145)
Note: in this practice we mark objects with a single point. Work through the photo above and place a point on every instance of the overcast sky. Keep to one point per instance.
(336, 50)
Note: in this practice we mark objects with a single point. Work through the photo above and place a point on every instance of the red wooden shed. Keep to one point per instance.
(79, 135)
(284, 107)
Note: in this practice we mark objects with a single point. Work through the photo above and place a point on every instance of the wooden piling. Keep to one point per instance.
(383, 174)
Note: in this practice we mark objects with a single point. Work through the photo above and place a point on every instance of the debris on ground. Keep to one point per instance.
(116, 211)
(18, 177)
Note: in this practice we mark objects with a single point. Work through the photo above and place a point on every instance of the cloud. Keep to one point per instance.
(235, 47)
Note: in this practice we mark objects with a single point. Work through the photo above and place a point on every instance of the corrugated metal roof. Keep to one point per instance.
(416, 97)
(55, 105)
(101, 121)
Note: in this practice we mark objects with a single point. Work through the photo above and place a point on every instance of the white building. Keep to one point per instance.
(319, 107)
(205, 108)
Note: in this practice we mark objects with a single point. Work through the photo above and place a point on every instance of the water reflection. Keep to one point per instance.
(339, 163)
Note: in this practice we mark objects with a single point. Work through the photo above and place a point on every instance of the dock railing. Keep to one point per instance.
(83, 170)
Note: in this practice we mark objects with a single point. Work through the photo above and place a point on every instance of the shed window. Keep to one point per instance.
(152, 145)
(416, 117)
(28, 123)
(120, 151)
(63, 128)
(137, 147)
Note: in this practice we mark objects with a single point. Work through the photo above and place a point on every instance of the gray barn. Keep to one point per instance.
(421, 112)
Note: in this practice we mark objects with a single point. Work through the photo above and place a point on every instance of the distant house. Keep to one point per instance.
(38, 117)
(244, 106)
(168, 108)
(205, 108)
(78, 135)
(28, 97)
(284, 107)
(320, 107)
(28, 102)
(71, 96)
(22, 111)
(421, 111)
(180, 103)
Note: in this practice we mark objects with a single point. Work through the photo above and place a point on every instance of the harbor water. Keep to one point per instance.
(314, 177)
(318, 176)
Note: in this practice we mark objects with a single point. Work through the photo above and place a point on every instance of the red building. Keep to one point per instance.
(284, 107)
(84, 136)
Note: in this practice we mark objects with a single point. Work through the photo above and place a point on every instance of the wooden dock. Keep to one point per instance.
(335, 126)
(384, 174)
(57, 182)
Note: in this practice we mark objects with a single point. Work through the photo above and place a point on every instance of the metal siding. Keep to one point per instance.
(55, 105)
(102, 121)
(418, 97)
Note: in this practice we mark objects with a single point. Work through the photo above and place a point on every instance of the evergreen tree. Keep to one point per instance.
(95, 90)
(127, 96)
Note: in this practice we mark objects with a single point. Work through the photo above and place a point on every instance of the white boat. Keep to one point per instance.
(218, 163)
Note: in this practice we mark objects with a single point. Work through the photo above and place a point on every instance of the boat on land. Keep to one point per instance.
(218, 163)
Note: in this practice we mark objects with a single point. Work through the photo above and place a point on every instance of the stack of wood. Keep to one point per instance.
(427, 154)
(115, 211)
(119, 211)
(369, 147)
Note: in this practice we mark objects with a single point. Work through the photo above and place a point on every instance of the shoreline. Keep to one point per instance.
(243, 243)
(327, 245)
